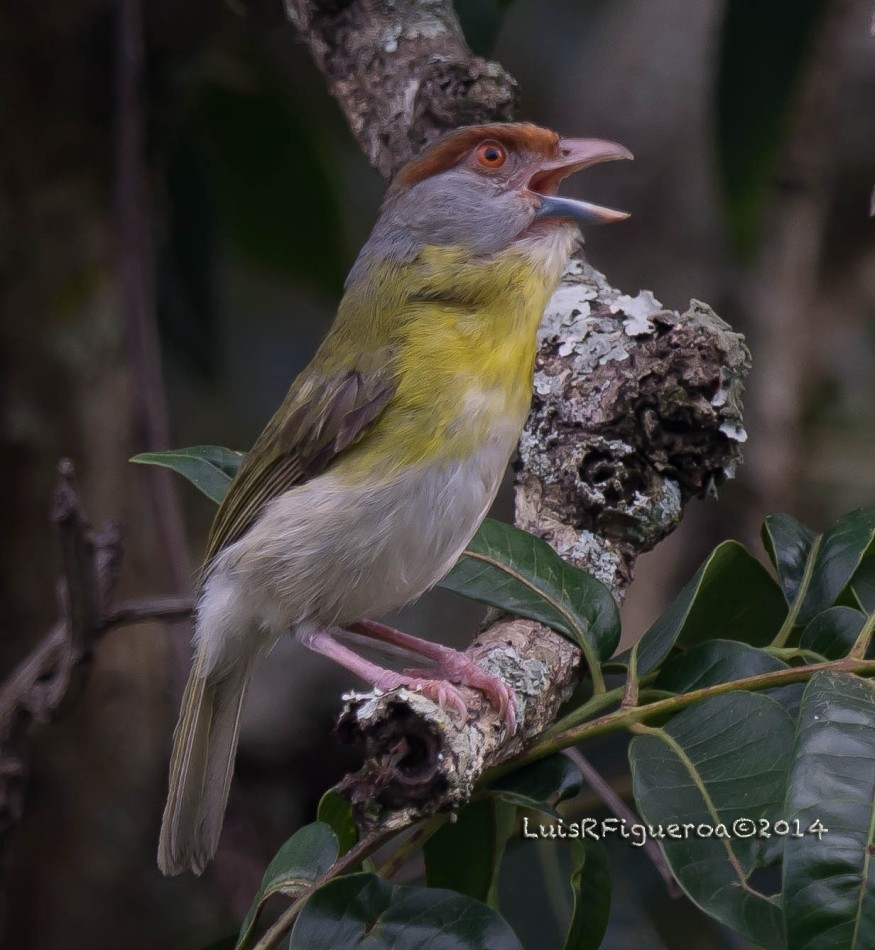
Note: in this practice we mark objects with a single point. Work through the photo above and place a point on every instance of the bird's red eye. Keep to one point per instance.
(491, 154)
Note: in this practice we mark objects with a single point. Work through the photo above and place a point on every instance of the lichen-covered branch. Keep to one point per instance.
(401, 72)
(636, 410)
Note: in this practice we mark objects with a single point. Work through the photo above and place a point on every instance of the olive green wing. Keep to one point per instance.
(319, 419)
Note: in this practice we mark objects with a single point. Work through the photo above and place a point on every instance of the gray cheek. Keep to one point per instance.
(457, 212)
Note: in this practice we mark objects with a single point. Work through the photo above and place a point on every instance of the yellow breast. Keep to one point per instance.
(466, 346)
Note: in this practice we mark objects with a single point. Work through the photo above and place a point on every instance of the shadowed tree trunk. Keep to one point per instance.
(68, 387)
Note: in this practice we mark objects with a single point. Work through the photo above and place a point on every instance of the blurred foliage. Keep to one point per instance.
(274, 182)
(763, 48)
(186, 261)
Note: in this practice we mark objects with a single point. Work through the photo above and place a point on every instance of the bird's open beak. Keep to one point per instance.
(575, 154)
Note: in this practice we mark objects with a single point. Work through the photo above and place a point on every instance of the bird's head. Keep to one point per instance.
(485, 187)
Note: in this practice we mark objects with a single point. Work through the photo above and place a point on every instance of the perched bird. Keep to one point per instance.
(388, 450)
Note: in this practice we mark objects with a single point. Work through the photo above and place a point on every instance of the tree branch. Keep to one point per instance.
(168, 609)
(401, 72)
(56, 670)
(48, 680)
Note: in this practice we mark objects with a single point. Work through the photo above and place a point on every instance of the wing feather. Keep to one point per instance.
(317, 422)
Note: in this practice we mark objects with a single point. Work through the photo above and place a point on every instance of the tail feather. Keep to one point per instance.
(201, 766)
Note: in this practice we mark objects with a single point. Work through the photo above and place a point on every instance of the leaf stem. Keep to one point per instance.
(864, 639)
(787, 654)
(623, 718)
(595, 668)
(630, 693)
(346, 862)
(595, 704)
(411, 845)
(789, 623)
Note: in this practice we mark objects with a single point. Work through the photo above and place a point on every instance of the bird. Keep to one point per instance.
(383, 459)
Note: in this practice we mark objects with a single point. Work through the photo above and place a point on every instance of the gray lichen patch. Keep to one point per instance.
(636, 409)
(638, 312)
(589, 552)
(426, 20)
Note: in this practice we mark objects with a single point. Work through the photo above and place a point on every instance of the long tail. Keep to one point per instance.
(204, 744)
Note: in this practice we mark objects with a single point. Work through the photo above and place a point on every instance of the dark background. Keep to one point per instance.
(753, 132)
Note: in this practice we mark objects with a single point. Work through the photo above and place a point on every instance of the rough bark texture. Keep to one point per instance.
(636, 410)
(402, 72)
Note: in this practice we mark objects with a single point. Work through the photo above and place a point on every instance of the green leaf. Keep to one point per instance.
(764, 47)
(788, 543)
(334, 810)
(836, 560)
(294, 869)
(712, 662)
(863, 584)
(541, 785)
(833, 633)
(465, 855)
(722, 761)
(731, 597)
(209, 468)
(829, 880)
(363, 910)
(722, 661)
(512, 569)
(591, 894)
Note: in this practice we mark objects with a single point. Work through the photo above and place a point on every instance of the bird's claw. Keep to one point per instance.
(466, 672)
(438, 691)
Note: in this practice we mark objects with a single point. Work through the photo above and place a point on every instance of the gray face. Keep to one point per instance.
(460, 207)
(480, 210)
(481, 189)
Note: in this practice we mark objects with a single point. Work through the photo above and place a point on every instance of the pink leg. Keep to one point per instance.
(455, 666)
(438, 690)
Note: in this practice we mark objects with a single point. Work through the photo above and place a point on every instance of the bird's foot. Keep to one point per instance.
(439, 691)
(466, 672)
(451, 665)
